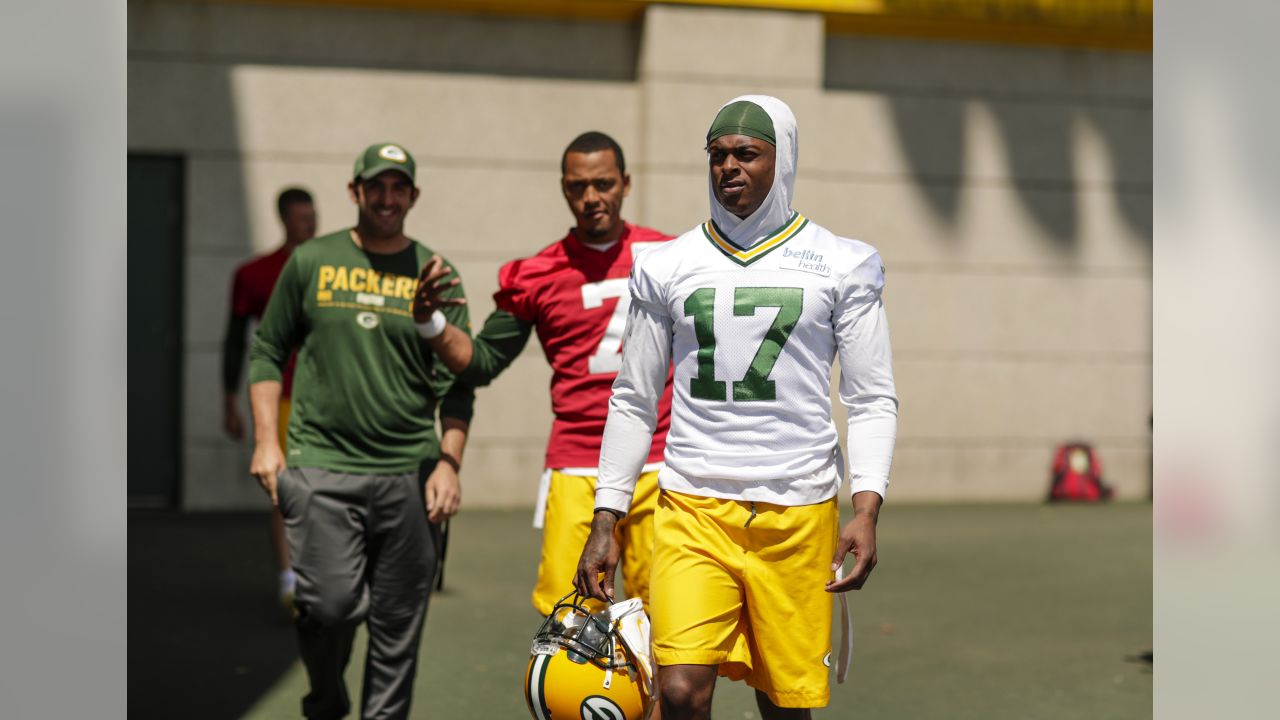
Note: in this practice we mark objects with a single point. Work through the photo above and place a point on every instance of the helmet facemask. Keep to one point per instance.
(585, 636)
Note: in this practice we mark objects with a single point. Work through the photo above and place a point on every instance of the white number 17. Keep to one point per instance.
(608, 355)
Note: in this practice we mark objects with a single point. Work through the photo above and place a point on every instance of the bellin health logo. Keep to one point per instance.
(806, 260)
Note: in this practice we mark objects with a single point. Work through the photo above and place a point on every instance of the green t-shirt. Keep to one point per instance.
(366, 385)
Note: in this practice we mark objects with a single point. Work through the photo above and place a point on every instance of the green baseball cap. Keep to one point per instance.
(380, 157)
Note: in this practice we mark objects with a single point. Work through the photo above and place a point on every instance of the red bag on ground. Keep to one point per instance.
(1077, 475)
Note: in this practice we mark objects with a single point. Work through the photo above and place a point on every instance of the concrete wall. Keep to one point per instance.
(1008, 189)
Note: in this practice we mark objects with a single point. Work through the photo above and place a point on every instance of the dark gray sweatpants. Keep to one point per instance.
(362, 550)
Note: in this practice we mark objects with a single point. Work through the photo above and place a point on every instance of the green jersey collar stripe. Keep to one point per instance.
(773, 241)
(725, 235)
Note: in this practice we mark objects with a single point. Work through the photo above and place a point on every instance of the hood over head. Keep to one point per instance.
(741, 119)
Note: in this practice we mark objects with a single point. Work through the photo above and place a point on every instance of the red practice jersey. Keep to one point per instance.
(577, 298)
(251, 289)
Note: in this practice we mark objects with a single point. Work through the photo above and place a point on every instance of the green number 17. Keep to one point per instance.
(756, 385)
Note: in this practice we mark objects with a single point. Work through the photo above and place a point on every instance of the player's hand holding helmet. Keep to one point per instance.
(592, 666)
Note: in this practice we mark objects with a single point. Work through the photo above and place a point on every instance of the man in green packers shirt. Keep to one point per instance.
(367, 385)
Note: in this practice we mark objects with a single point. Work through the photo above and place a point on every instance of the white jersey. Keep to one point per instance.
(753, 335)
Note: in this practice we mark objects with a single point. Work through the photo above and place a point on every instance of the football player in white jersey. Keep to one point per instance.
(753, 307)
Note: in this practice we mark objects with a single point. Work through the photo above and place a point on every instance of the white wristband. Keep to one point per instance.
(433, 327)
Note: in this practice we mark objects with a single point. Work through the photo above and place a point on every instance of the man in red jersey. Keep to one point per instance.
(250, 290)
(574, 294)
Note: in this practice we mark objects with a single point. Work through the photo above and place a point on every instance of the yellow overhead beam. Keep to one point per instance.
(584, 9)
(1110, 24)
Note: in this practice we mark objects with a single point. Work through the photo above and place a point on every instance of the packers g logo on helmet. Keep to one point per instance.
(582, 669)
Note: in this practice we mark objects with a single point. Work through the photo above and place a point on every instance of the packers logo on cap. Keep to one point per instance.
(394, 153)
(383, 156)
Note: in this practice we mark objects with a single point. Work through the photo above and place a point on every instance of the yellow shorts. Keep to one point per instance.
(570, 503)
(749, 598)
(282, 425)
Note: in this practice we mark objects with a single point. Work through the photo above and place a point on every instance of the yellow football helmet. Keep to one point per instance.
(582, 669)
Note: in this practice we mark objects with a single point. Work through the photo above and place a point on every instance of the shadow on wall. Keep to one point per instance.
(194, 125)
(408, 40)
(1038, 98)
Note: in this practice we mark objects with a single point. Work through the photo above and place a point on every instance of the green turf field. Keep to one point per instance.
(1006, 611)
(975, 611)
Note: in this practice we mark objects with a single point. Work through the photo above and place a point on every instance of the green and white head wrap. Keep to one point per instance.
(769, 119)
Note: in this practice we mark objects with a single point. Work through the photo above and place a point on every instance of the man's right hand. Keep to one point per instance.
(267, 463)
(600, 555)
(429, 294)
(232, 422)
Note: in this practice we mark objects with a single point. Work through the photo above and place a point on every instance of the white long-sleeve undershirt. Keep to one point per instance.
(633, 407)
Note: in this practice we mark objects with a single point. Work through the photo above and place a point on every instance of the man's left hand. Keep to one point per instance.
(858, 537)
(444, 492)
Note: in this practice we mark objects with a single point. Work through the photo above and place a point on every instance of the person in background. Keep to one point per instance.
(251, 287)
(573, 294)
